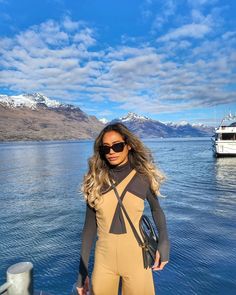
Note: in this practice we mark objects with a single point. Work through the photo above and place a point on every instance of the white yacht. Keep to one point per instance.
(224, 140)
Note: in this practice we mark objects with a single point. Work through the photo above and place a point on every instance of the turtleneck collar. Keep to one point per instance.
(118, 173)
(124, 167)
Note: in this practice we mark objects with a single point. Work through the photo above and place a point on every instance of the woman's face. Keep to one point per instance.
(115, 158)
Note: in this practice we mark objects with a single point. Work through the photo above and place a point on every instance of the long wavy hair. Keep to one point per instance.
(98, 177)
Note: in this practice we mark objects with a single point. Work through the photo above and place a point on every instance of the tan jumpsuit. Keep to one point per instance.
(119, 255)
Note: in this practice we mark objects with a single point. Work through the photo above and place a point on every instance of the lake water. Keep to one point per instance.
(42, 214)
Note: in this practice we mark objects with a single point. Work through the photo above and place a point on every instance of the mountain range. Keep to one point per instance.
(37, 117)
(147, 128)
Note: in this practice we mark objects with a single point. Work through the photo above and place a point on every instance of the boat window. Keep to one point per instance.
(228, 136)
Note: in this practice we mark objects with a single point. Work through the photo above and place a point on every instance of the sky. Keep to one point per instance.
(164, 59)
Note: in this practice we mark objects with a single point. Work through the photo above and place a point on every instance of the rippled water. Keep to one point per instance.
(42, 214)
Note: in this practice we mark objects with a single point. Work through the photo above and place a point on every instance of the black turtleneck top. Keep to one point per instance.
(140, 186)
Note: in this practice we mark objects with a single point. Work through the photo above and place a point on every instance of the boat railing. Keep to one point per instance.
(229, 117)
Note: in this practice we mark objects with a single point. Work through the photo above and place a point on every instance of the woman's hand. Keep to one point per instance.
(156, 265)
(83, 290)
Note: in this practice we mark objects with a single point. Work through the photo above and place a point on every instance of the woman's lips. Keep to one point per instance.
(112, 158)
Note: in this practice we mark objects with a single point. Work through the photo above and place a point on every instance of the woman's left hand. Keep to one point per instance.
(157, 265)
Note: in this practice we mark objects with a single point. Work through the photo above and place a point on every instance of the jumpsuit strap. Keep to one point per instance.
(123, 184)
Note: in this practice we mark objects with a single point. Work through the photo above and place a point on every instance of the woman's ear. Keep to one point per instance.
(129, 147)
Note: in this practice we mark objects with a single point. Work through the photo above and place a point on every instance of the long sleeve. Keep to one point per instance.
(160, 222)
(88, 236)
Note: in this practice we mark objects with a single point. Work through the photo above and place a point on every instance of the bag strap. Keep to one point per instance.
(140, 242)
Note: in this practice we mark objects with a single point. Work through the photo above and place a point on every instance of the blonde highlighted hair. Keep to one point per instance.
(140, 158)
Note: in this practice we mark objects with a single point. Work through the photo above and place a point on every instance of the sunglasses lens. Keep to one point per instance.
(104, 149)
(117, 147)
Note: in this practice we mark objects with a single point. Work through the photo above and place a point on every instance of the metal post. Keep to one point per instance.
(20, 276)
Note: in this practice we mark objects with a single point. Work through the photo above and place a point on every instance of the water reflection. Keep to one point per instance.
(226, 170)
(225, 175)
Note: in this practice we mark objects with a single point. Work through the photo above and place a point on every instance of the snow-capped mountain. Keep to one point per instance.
(103, 120)
(174, 124)
(29, 100)
(146, 127)
(37, 117)
(199, 125)
(184, 123)
(143, 126)
(132, 117)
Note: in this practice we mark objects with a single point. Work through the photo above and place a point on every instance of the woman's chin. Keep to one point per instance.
(114, 162)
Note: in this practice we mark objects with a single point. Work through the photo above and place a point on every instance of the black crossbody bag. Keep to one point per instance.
(149, 243)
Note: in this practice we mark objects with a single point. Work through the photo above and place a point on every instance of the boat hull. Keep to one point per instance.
(224, 148)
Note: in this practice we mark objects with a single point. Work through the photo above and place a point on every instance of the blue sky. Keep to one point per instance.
(165, 59)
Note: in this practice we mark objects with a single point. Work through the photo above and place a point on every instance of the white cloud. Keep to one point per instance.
(196, 31)
(167, 9)
(229, 35)
(197, 16)
(56, 59)
(85, 37)
(197, 3)
(70, 25)
(43, 57)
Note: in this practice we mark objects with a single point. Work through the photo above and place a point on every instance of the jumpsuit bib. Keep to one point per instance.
(119, 255)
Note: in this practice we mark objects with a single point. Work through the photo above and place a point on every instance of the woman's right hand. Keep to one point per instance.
(83, 290)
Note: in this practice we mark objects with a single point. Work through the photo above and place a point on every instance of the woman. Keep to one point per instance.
(120, 157)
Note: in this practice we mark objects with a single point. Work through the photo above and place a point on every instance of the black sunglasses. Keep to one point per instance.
(116, 147)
